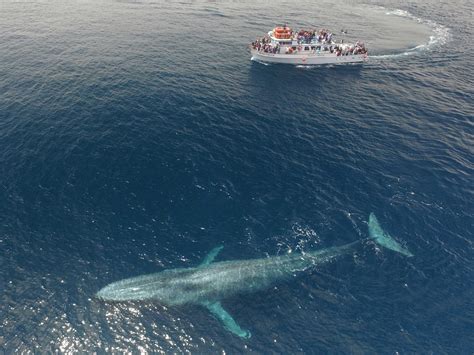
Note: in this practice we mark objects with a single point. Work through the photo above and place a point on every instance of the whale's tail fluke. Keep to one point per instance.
(384, 239)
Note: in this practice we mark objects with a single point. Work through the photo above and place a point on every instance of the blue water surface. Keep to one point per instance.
(136, 136)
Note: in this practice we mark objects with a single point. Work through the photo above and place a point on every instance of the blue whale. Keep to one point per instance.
(211, 282)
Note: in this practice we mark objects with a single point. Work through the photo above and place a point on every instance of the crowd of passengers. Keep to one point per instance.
(356, 49)
(265, 45)
(308, 36)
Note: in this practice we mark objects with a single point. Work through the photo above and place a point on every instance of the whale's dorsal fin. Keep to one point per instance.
(211, 256)
(229, 323)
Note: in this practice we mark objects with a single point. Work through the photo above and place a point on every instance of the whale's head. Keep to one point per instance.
(168, 287)
(133, 289)
(119, 292)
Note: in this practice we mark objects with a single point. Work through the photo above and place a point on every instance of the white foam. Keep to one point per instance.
(259, 61)
(306, 66)
(399, 12)
(440, 35)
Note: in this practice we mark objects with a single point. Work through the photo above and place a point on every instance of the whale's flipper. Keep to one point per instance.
(211, 256)
(384, 239)
(229, 323)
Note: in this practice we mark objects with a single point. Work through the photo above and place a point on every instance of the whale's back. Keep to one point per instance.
(196, 285)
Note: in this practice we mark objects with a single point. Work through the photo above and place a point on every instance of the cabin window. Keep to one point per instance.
(313, 47)
(294, 48)
(306, 48)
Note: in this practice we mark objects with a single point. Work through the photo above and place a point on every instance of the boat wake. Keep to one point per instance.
(259, 61)
(439, 37)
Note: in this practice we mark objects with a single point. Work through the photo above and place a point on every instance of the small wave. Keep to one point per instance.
(398, 12)
(307, 66)
(259, 61)
(408, 52)
(439, 38)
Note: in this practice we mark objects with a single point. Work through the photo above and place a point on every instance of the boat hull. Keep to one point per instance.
(307, 59)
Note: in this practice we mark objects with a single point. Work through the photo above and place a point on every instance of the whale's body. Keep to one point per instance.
(214, 281)
(211, 282)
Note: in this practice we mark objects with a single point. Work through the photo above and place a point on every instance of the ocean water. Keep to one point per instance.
(136, 136)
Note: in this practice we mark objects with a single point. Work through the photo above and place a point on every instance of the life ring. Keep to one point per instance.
(282, 32)
(281, 35)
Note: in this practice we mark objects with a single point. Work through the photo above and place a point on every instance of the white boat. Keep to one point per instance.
(283, 45)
